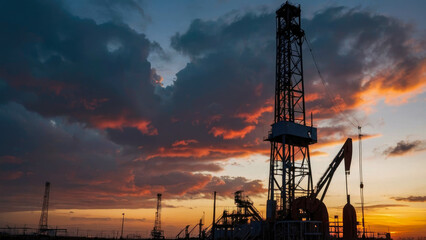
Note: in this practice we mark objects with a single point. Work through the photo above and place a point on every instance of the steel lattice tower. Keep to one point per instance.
(290, 169)
(44, 211)
(158, 214)
(157, 233)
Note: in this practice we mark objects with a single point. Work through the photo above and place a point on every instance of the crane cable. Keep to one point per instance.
(354, 122)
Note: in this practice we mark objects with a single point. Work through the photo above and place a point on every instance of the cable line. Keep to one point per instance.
(354, 122)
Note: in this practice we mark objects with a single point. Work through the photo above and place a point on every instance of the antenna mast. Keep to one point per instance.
(361, 185)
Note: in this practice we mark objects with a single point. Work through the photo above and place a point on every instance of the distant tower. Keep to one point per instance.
(157, 233)
(290, 169)
(44, 211)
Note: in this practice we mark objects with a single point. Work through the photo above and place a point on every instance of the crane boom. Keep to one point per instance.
(193, 228)
(344, 153)
(183, 229)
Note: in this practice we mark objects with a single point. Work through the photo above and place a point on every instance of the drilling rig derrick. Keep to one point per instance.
(157, 233)
(290, 169)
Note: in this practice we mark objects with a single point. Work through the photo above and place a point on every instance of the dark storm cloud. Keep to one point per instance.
(404, 147)
(360, 52)
(86, 170)
(34, 149)
(227, 186)
(175, 182)
(118, 9)
(410, 199)
(245, 33)
(96, 74)
(232, 70)
(218, 96)
(119, 12)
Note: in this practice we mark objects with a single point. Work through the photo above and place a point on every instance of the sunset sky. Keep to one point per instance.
(116, 101)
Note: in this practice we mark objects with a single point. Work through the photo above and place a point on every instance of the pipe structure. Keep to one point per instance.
(122, 227)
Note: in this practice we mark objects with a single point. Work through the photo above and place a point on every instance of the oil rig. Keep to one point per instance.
(295, 208)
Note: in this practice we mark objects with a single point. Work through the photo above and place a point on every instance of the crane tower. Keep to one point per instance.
(157, 233)
(44, 211)
(290, 169)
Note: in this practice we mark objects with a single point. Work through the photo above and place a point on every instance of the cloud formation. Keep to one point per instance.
(375, 58)
(410, 199)
(93, 219)
(382, 206)
(404, 147)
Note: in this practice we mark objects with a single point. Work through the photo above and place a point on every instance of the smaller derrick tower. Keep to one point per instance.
(44, 211)
(157, 233)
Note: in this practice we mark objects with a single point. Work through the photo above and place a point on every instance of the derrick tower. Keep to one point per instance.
(157, 233)
(290, 170)
(44, 211)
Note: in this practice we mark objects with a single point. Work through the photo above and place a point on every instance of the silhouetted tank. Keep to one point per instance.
(315, 209)
(349, 222)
